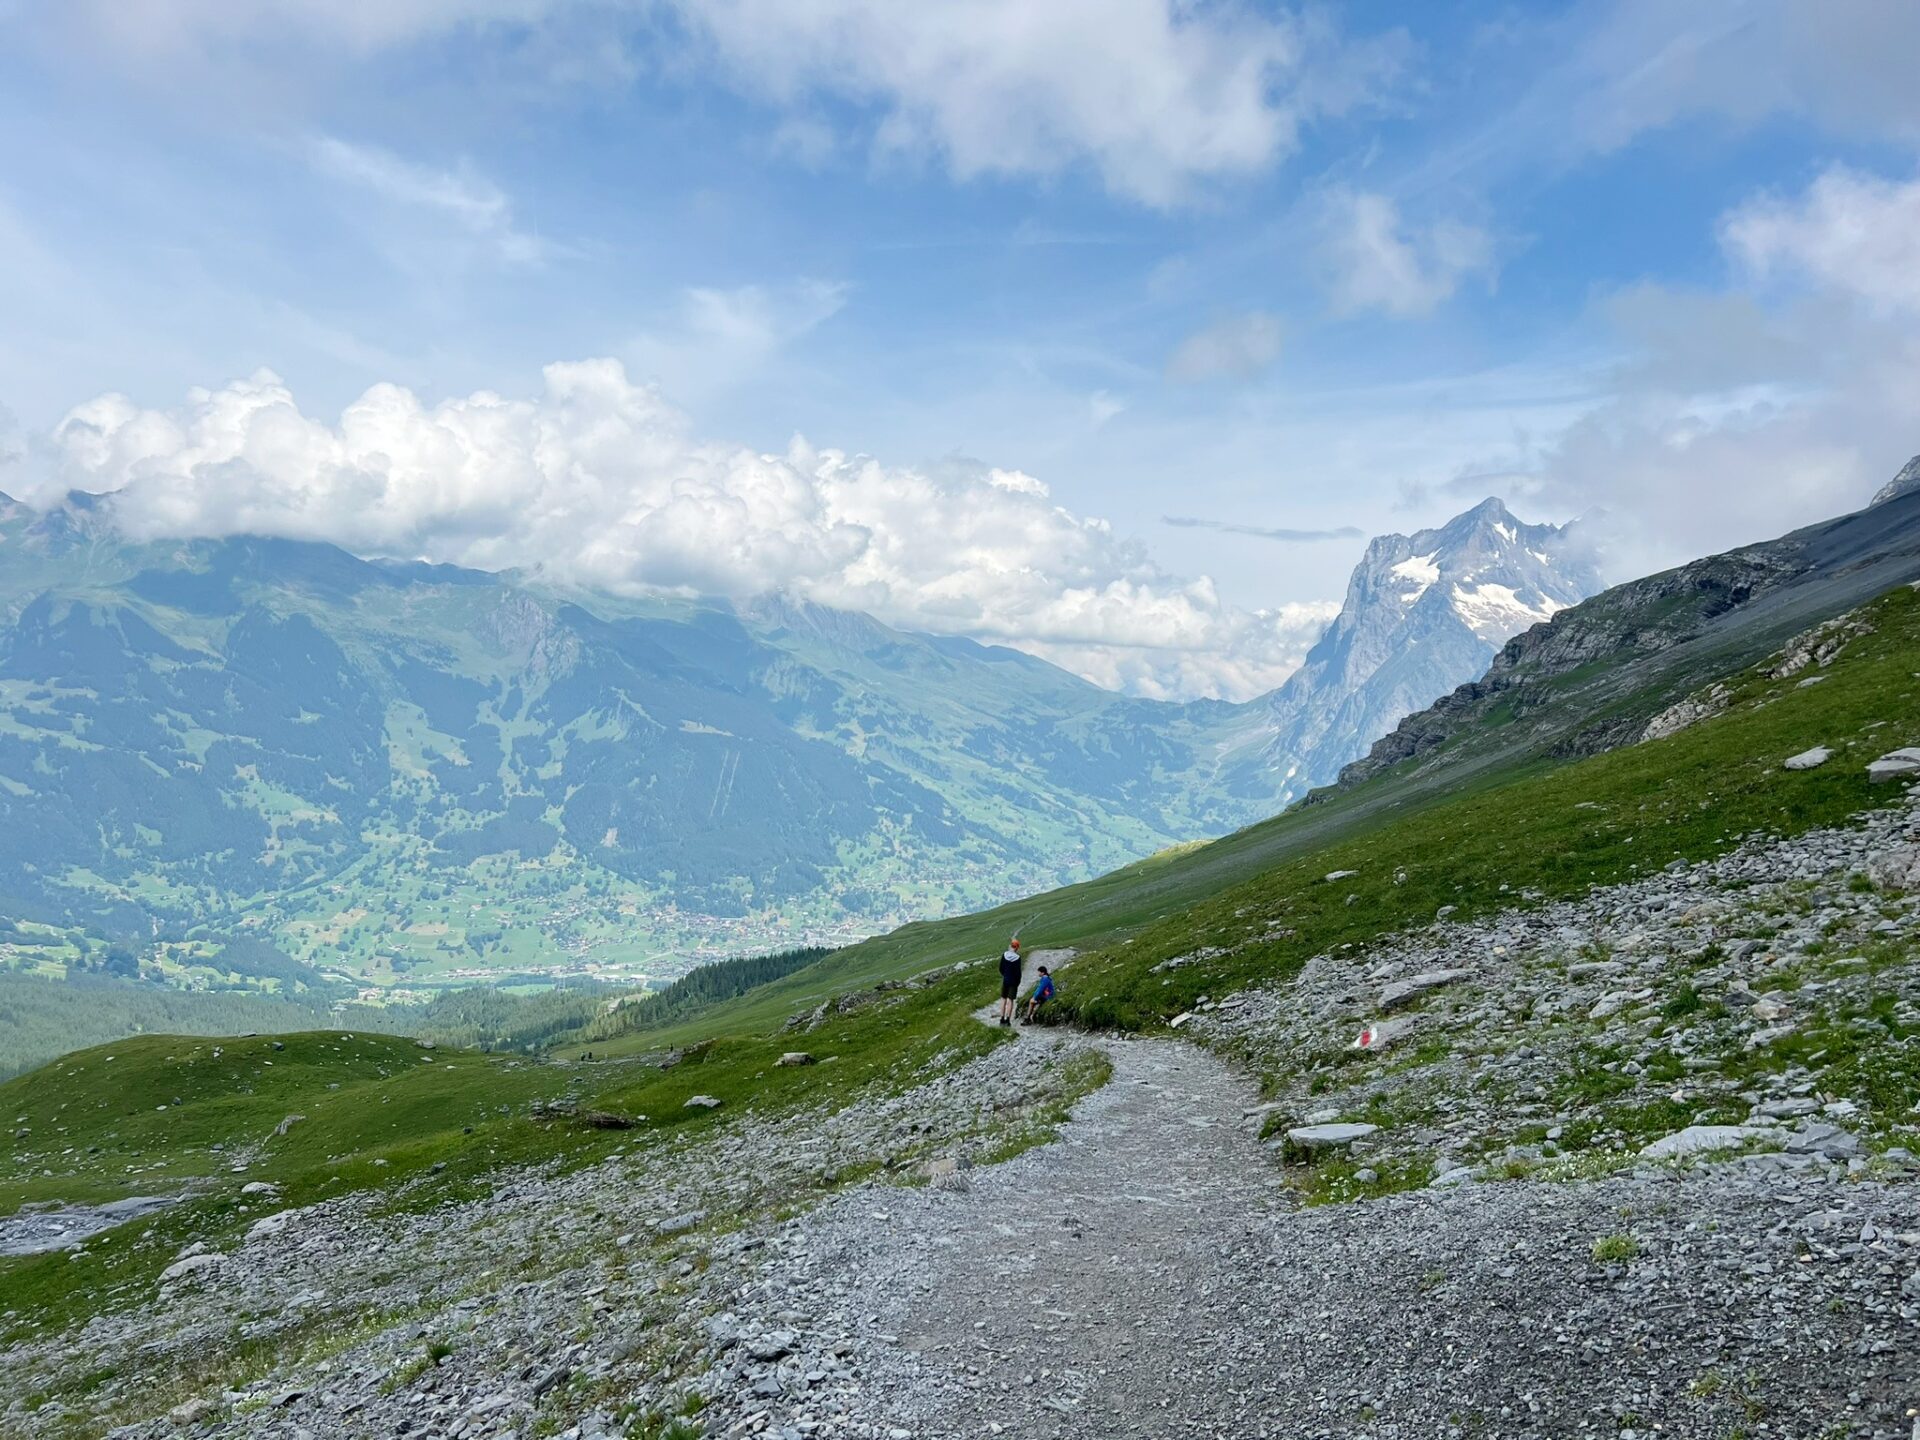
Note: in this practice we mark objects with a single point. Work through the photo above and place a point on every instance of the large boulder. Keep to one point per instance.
(1897, 869)
(1895, 765)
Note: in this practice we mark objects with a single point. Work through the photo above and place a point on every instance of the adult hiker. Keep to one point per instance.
(1042, 992)
(1009, 980)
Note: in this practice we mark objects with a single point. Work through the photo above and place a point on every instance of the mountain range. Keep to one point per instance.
(403, 774)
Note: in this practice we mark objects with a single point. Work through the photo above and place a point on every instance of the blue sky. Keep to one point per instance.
(943, 310)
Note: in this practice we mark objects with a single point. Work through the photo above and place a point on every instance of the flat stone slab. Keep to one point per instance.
(1705, 1140)
(1808, 759)
(1413, 987)
(1896, 765)
(703, 1102)
(1329, 1137)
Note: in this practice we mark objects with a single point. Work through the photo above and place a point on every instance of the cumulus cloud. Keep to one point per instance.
(1378, 262)
(1851, 232)
(1156, 95)
(599, 481)
(1739, 415)
(1232, 347)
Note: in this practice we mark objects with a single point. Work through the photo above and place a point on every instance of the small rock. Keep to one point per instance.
(1808, 759)
(703, 1102)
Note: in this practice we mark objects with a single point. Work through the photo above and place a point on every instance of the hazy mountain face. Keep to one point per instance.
(1423, 613)
(412, 770)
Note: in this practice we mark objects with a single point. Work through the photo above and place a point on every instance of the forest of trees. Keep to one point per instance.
(722, 980)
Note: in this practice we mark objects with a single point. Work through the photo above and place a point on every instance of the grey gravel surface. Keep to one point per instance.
(1147, 1276)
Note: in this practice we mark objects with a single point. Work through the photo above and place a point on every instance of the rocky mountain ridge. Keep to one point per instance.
(1423, 613)
(1662, 636)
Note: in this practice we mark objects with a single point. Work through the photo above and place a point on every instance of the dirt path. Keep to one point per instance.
(1076, 1290)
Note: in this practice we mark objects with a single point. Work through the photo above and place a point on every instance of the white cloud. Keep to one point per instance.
(1850, 232)
(1232, 347)
(1156, 95)
(599, 481)
(1377, 262)
(1736, 417)
(1843, 65)
(470, 200)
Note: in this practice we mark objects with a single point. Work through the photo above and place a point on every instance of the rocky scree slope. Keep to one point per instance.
(1592, 676)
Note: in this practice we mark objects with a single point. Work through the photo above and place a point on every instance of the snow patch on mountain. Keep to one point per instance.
(1420, 572)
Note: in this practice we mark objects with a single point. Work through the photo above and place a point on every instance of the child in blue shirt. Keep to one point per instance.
(1042, 992)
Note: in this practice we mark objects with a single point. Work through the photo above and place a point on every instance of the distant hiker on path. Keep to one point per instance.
(1042, 992)
(1009, 980)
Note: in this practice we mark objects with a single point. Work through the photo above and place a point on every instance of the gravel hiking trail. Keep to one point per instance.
(1074, 1289)
(1150, 1274)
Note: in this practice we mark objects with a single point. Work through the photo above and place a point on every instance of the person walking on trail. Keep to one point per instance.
(1042, 992)
(1009, 980)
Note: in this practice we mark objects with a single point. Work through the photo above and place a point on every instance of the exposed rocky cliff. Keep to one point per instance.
(1592, 676)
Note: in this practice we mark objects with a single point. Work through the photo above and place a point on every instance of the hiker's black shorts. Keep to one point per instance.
(1009, 987)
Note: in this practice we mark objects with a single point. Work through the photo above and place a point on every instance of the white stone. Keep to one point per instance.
(1895, 765)
(1808, 759)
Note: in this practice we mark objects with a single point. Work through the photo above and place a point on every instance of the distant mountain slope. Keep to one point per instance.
(1594, 676)
(403, 771)
(408, 774)
(1423, 613)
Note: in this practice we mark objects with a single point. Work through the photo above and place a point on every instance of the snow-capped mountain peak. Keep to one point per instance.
(1423, 613)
